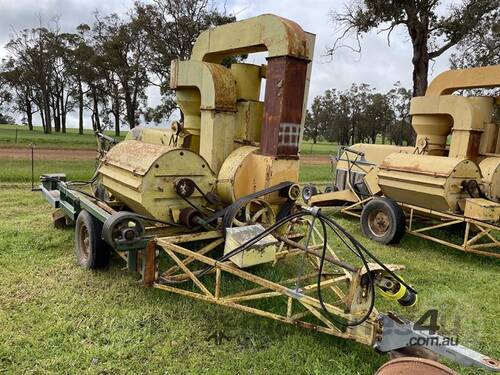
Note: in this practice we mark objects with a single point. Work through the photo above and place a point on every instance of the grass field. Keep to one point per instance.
(56, 317)
(20, 170)
(71, 139)
(321, 148)
(87, 141)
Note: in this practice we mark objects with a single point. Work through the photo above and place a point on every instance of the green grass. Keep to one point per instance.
(320, 148)
(315, 173)
(56, 317)
(71, 139)
(20, 170)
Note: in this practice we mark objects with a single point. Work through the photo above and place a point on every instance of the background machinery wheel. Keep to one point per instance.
(383, 220)
(308, 191)
(91, 250)
(330, 188)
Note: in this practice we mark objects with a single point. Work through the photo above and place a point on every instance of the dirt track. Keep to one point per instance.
(315, 159)
(47, 154)
(65, 154)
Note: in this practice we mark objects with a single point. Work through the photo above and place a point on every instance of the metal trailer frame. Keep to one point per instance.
(383, 332)
(143, 257)
(423, 222)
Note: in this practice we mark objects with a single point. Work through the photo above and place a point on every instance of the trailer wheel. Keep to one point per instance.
(383, 220)
(91, 250)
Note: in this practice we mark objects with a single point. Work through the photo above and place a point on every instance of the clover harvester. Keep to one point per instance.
(208, 208)
(448, 182)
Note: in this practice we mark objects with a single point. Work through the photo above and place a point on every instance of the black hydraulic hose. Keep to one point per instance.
(352, 244)
(320, 272)
(365, 250)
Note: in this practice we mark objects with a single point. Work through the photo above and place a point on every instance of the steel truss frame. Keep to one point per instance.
(211, 287)
(423, 222)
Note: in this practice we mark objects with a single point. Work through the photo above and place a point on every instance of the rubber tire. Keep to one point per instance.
(309, 191)
(99, 254)
(396, 216)
(331, 188)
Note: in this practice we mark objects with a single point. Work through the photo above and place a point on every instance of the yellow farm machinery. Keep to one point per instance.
(209, 208)
(449, 180)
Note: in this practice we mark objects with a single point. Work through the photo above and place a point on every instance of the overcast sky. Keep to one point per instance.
(378, 65)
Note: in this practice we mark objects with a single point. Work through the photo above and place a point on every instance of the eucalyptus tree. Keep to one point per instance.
(17, 90)
(431, 33)
(30, 49)
(171, 28)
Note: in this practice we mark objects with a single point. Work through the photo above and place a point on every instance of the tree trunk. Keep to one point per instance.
(420, 60)
(116, 109)
(97, 122)
(29, 113)
(63, 114)
(48, 118)
(56, 114)
(80, 107)
(42, 117)
(117, 124)
(130, 111)
(420, 69)
(29, 117)
(129, 106)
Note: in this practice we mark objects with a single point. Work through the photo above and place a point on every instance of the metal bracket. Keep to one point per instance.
(399, 333)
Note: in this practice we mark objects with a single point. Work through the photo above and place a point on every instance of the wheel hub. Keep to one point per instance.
(84, 243)
(379, 223)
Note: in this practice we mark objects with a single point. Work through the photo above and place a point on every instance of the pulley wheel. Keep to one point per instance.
(255, 211)
(120, 225)
(414, 366)
(308, 191)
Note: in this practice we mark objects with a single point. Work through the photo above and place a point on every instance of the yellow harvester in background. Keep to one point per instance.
(451, 178)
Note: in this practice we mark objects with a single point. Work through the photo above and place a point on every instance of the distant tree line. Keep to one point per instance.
(360, 114)
(104, 68)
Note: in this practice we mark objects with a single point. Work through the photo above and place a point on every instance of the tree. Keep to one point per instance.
(400, 130)
(378, 116)
(171, 28)
(5, 95)
(122, 47)
(5, 98)
(359, 114)
(62, 85)
(16, 77)
(482, 47)
(313, 126)
(31, 53)
(431, 34)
